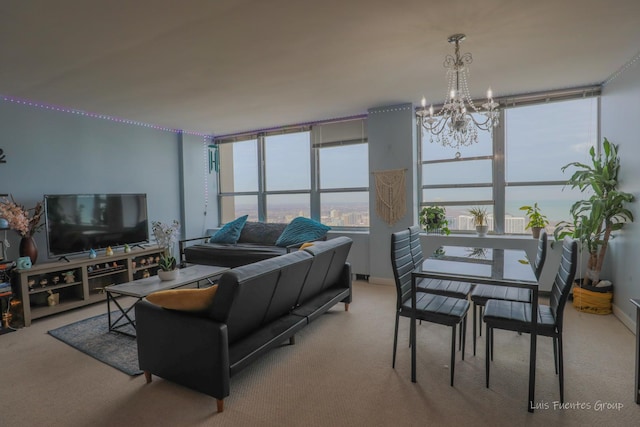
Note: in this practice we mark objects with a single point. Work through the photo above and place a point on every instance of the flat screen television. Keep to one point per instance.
(77, 223)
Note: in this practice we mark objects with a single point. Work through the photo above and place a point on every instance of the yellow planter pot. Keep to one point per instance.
(592, 302)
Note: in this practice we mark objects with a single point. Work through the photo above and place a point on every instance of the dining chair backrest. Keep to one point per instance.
(416, 247)
(402, 264)
(564, 279)
(541, 254)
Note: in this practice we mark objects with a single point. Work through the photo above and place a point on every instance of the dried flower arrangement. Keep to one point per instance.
(25, 221)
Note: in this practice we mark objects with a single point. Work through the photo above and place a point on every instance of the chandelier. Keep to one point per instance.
(456, 124)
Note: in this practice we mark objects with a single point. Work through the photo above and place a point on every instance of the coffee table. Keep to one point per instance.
(142, 287)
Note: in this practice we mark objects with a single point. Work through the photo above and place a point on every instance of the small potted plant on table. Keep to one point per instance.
(537, 221)
(480, 220)
(166, 238)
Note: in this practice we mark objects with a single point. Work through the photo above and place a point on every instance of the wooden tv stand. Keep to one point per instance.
(89, 276)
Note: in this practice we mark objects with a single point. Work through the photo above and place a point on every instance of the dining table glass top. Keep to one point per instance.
(478, 262)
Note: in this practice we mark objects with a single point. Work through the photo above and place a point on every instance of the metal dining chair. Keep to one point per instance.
(447, 288)
(427, 306)
(516, 316)
(482, 293)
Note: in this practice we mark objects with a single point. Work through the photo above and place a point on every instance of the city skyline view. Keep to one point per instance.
(357, 215)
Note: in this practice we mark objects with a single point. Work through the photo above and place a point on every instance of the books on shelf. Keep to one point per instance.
(5, 289)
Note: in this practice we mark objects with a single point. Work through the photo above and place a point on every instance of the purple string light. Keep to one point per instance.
(98, 116)
(158, 127)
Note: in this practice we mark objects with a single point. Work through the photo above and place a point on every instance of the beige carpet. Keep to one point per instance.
(338, 374)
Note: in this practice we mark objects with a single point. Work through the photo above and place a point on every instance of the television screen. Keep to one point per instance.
(77, 223)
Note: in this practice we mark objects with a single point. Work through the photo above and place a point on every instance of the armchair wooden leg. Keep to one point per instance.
(220, 404)
(147, 376)
(292, 340)
(346, 306)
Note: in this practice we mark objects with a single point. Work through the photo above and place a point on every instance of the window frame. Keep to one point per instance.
(500, 184)
(315, 192)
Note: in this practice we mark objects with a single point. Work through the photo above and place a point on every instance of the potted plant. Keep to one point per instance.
(603, 213)
(433, 220)
(166, 238)
(480, 220)
(537, 221)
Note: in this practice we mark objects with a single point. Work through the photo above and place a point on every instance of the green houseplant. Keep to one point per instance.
(479, 216)
(603, 213)
(433, 220)
(537, 221)
(166, 238)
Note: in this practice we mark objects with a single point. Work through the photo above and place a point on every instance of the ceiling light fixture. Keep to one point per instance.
(457, 123)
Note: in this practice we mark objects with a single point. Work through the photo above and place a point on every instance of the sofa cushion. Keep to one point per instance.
(254, 295)
(228, 255)
(184, 299)
(329, 258)
(230, 232)
(301, 230)
(261, 233)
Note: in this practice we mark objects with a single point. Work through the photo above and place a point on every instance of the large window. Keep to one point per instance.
(342, 155)
(319, 172)
(287, 161)
(238, 180)
(459, 184)
(540, 140)
(521, 165)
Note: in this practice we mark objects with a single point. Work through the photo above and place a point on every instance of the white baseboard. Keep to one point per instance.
(626, 320)
(381, 281)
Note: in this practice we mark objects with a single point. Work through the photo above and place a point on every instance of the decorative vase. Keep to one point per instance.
(168, 275)
(28, 248)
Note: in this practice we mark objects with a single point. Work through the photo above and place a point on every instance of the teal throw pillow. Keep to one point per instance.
(301, 230)
(230, 232)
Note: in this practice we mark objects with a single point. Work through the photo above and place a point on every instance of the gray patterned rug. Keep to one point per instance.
(91, 336)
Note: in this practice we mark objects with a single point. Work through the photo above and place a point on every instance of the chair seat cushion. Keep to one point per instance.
(513, 315)
(438, 308)
(482, 293)
(447, 288)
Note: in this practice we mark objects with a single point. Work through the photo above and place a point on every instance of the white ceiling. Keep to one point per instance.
(224, 66)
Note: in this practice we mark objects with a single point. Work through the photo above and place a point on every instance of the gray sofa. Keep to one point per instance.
(257, 242)
(257, 307)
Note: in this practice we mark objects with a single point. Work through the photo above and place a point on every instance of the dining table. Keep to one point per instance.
(482, 265)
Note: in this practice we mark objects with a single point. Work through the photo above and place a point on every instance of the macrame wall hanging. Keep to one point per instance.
(390, 195)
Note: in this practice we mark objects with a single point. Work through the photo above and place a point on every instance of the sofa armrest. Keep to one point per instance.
(183, 244)
(184, 348)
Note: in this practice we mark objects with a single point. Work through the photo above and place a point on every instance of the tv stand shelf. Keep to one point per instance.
(80, 281)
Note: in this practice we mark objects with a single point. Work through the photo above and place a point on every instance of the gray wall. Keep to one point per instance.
(392, 145)
(51, 152)
(198, 205)
(620, 125)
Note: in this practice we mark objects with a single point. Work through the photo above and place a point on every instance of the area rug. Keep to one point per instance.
(91, 336)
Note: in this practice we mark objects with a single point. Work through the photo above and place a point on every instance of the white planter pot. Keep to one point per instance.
(482, 230)
(167, 275)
